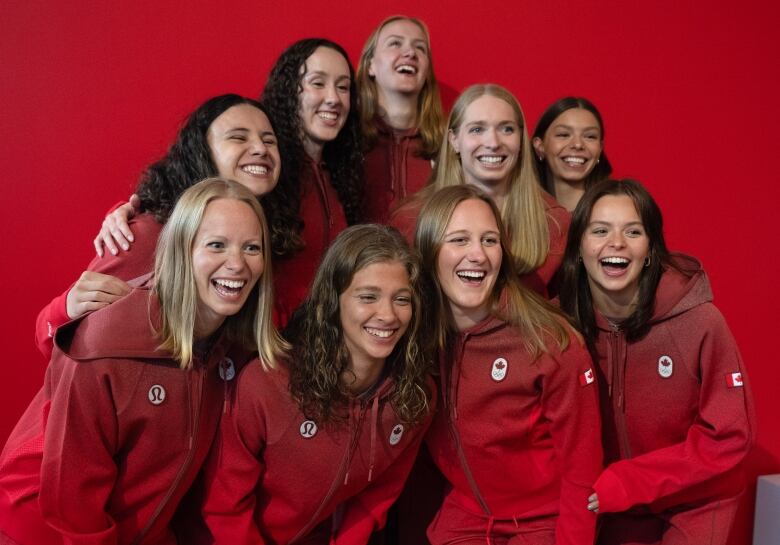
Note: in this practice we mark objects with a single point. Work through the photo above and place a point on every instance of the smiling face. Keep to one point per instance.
(227, 261)
(613, 249)
(469, 261)
(400, 62)
(375, 311)
(324, 99)
(571, 145)
(243, 148)
(488, 142)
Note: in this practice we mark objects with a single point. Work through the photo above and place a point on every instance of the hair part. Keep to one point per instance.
(430, 113)
(603, 168)
(510, 300)
(252, 327)
(320, 355)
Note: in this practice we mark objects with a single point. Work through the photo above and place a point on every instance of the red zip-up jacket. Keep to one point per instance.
(677, 411)
(394, 169)
(275, 475)
(136, 261)
(518, 439)
(323, 219)
(115, 437)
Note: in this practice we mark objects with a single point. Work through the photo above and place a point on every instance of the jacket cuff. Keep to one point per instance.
(612, 495)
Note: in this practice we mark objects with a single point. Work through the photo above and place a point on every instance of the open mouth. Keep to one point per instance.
(407, 69)
(328, 116)
(255, 170)
(228, 288)
(491, 160)
(614, 264)
(574, 161)
(380, 333)
(471, 277)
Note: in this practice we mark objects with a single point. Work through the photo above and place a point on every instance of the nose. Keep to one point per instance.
(331, 94)
(476, 253)
(234, 259)
(491, 138)
(616, 241)
(576, 142)
(409, 51)
(259, 148)
(385, 311)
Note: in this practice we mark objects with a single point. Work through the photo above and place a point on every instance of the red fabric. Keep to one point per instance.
(323, 219)
(394, 170)
(267, 483)
(138, 260)
(92, 457)
(680, 439)
(529, 440)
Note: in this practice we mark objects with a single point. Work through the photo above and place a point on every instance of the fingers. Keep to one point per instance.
(92, 291)
(135, 202)
(593, 503)
(121, 216)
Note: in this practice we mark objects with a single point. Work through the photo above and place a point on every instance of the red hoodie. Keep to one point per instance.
(394, 169)
(275, 475)
(323, 219)
(676, 408)
(113, 440)
(518, 439)
(136, 261)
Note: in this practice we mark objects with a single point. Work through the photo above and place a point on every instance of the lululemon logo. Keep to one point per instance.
(396, 434)
(308, 429)
(227, 370)
(498, 372)
(156, 394)
(665, 366)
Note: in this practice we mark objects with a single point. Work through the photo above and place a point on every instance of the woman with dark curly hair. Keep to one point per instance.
(400, 113)
(338, 425)
(228, 135)
(569, 148)
(311, 96)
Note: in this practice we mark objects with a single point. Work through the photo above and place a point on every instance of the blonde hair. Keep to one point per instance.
(537, 320)
(523, 211)
(252, 327)
(430, 114)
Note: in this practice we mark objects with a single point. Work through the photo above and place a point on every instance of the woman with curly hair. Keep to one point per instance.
(228, 135)
(400, 113)
(487, 146)
(335, 428)
(312, 99)
(514, 437)
(569, 145)
(123, 423)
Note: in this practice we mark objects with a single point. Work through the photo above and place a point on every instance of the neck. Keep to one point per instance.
(568, 194)
(619, 306)
(398, 110)
(313, 149)
(497, 191)
(361, 375)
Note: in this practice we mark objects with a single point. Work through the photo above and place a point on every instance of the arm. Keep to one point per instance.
(78, 471)
(235, 466)
(572, 407)
(716, 443)
(116, 228)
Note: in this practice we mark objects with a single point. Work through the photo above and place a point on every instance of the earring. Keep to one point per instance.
(541, 158)
(598, 160)
(647, 261)
(579, 259)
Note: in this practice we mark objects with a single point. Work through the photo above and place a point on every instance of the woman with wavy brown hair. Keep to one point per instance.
(400, 112)
(339, 423)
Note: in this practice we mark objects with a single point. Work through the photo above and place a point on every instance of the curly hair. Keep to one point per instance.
(188, 159)
(319, 353)
(603, 168)
(343, 156)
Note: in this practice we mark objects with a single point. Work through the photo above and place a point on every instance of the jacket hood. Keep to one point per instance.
(384, 128)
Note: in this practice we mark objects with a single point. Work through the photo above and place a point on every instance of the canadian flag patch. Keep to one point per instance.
(587, 377)
(733, 380)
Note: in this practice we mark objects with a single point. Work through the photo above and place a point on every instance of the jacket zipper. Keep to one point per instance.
(620, 407)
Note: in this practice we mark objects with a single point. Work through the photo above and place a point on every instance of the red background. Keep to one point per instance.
(92, 91)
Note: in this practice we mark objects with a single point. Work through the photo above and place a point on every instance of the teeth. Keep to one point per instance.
(406, 69)
(255, 169)
(574, 160)
(472, 274)
(328, 115)
(232, 284)
(381, 333)
(615, 261)
(491, 159)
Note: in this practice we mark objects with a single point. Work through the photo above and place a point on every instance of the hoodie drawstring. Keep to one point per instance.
(491, 520)
(374, 426)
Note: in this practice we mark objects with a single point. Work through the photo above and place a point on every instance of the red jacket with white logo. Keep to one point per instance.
(323, 219)
(676, 408)
(115, 437)
(394, 170)
(136, 261)
(516, 438)
(275, 475)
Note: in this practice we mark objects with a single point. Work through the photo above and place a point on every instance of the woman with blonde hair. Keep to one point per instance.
(116, 436)
(487, 146)
(517, 389)
(401, 114)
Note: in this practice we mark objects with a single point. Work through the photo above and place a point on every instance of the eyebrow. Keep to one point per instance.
(602, 222)
(564, 126)
(244, 129)
(326, 74)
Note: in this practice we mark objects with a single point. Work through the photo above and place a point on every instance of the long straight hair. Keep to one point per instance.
(252, 327)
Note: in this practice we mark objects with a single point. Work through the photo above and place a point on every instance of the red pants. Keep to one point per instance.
(705, 524)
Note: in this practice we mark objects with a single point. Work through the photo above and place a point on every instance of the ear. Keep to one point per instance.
(538, 146)
(453, 138)
(371, 71)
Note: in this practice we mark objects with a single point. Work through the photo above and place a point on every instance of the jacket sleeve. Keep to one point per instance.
(138, 260)
(78, 471)
(235, 466)
(570, 403)
(367, 511)
(716, 443)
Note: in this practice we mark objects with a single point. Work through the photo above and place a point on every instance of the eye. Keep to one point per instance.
(317, 83)
(561, 134)
(237, 137)
(253, 249)
(394, 43)
(508, 129)
(366, 297)
(458, 240)
(215, 245)
(343, 87)
(592, 136)
(269, 141)
(599, 231)
(635, 232)
(403, 300)
(490, 240)
(475, 130)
